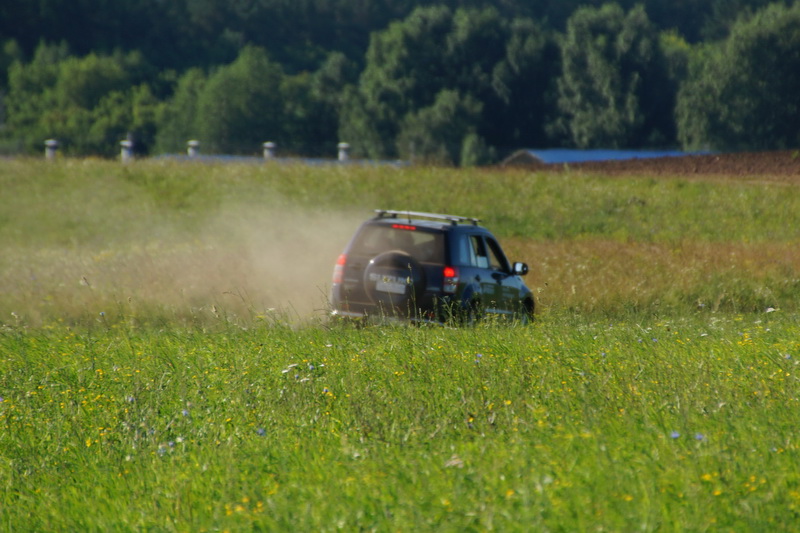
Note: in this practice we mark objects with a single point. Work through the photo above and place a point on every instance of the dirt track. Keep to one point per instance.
(779, 165)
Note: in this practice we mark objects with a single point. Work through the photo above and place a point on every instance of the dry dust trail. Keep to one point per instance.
(243, 262)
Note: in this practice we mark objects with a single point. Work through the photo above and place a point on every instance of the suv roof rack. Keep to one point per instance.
(453, 219)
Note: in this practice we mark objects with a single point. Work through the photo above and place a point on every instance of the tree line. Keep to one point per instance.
(454, 82)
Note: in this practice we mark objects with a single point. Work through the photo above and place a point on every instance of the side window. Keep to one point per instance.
(478, 248)
(468, 250)
(464, 251)
(474, 250)
(497, 259)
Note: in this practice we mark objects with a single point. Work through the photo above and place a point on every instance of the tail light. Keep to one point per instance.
(450, 279)
(404, 226)
(338, 270)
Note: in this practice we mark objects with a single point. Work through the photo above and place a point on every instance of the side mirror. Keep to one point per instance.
(520, 269)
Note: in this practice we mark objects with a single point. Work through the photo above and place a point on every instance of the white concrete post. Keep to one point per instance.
(126, 150)
(50, 149)
(269, 150)
(343, 149)
(193, 148)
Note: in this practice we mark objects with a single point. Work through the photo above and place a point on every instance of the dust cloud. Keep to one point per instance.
(272, 259)
(242, 262)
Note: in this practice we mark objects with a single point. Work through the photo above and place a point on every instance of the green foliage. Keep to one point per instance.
(362, 72)
(676, 54)
(309, 116)
(252, 100)
(739, 93)
(85, 81)
(722, 15)
(187, 33)
(415, 65)
(437, 132)
(524, 83)
(403, 71)
(30, 90)
(475, 152)
(329, 86)
(240, 105)
(89, 103)
(9, 54)
(177, 123)
(611, 90)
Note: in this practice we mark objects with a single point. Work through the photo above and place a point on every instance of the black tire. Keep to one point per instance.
(469, 313)
(526, 312)
(474, 313)
(386, 275)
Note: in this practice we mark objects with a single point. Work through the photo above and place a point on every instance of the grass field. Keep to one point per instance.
(165, 364)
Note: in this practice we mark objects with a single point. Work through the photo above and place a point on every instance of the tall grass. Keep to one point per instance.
(165, 364)
(182, 240)
(684, 424)
(90, 200)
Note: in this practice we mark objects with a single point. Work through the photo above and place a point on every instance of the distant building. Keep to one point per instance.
(555, 156)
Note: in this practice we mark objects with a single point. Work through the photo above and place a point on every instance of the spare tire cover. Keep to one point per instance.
(394, 280)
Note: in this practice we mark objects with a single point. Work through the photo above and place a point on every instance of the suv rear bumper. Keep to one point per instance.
(378, 318)
(432, 308)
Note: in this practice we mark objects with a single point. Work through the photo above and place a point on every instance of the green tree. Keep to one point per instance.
(311, 106)
(31, 95)
(722, 15)
(305, 121)
(83, 82)
(360, 124)
(241, 104)
(9, 54)
(613, 90)
(86, 102)
(253, 100)
(437, 134)
(404, 72)
(146, 109)
(476, 54)
(329, 87)
(524, 82)
(501, 64)
(177, 122)
(741, 93)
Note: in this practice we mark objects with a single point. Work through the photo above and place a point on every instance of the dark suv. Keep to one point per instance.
(427, 267)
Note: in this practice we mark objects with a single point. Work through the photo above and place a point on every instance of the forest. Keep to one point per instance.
(456, 82)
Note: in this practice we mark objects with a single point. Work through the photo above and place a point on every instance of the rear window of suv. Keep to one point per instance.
(423, 245)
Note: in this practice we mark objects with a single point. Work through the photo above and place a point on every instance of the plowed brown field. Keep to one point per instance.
(777, 166)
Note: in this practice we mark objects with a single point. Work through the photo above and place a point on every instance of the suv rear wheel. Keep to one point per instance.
(394, 281)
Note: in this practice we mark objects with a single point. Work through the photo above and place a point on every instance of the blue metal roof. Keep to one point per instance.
(566, 155)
